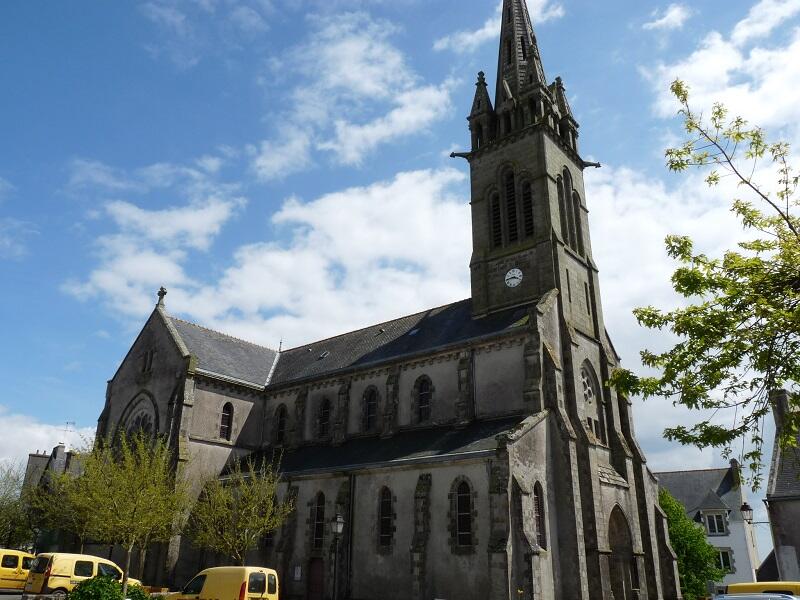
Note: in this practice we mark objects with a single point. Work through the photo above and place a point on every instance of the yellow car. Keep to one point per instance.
(775, 587)
(57, 573)
(231, 583)
(14, 566)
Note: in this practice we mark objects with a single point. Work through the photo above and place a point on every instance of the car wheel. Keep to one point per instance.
(59, 594)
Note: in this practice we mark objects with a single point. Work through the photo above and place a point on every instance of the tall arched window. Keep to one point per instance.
(538, 514)
(509, 52)
(280, 425)
(523, 47)
(562, 209)
(463, 514)
(318, 535)
(226, 422)
(594, 407)
(478, 135)
(570, 209)
(324, 418)
(370, 410)
(511, 207)
(424, 393)
(576, 207)
(527, 209)
(385, 518)
(496, 221)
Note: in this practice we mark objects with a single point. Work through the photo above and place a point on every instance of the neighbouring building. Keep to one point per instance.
(713, 498)
(472, 449)
(783, 496)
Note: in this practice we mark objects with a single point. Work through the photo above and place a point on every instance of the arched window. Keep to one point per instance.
(524, 47)
(511, 207)
(508, 15)
(538, 514)
(570, 209)
(324, 418)
(533, 107)
(424, 393)
(562, 209)
(497, 221)
(280, 425)
(318, 535)
(478, 135)
(593, 404)
(226, 422)
(509, 52)
(370, 410)
(576, 207)
(463, 514)
(385, 518)
(527, 209)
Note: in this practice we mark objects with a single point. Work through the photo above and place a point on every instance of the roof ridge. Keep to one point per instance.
(692, 470)
(222, 333)
(333, 337)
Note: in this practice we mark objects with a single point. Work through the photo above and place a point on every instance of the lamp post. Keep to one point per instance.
(337, 527)
(747, 512)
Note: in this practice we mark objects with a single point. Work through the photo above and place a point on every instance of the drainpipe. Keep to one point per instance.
(351, 518)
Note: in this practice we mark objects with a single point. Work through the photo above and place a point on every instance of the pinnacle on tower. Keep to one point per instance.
(481, 118)
(519, 63)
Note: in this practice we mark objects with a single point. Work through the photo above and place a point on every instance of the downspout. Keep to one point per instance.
(350, 544)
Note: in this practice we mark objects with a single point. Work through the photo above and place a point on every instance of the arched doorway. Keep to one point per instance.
(623, 570)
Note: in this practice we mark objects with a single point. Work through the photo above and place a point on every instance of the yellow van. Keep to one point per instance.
(231, 583)
(14, 566)
(57, 573)
(775, 587)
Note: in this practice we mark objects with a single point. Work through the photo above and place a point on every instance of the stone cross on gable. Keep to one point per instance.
(161, 293)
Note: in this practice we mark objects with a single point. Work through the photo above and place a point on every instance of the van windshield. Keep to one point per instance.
(257, 584)
(40, 564)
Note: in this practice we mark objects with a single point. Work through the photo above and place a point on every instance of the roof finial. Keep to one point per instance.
(161, 293)
(280, 345)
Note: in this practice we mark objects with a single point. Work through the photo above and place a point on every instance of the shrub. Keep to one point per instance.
(105, 588)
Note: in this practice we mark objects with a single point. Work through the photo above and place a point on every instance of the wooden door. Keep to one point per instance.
(316, 579)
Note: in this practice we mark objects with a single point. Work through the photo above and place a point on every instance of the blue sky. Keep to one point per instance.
(282, 167)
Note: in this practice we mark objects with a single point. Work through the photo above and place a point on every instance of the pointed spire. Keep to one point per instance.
(482, 103)
(519, 63)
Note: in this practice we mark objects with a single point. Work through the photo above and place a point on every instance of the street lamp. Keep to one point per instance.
(747, 512)
(337, 527)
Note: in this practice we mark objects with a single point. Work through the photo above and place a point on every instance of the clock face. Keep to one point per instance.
(513, 278)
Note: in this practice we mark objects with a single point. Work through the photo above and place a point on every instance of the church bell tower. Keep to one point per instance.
(528, 212)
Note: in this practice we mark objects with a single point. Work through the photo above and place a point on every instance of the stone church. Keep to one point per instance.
(473, 450)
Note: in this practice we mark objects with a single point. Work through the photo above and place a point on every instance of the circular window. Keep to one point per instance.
(141, 418)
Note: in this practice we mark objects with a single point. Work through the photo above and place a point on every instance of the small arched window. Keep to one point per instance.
(478, 135)
(280, 425)
(593, 404)
(226, 422)
(424, 394)
(318, 535)
(370, 421)
(562, 209)
(385, 518)
(538, 514)
(324, 418)
(523, 47)
(511, 207)
(463, 514)
(527, 209)
(570, 210)
(497, 221)
(509, 52)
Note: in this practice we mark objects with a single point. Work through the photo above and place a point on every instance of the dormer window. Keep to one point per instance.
(715, 524)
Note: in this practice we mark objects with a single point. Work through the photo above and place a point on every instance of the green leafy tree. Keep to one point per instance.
(698, 561)
(234, 513)
(739, 331)
(15, 526)
(106, 588)
(134, 493)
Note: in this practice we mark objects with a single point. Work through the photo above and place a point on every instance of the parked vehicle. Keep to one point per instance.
(57, 573)
(765, 587)
(231, 583)
(756, 596)
(14, 566)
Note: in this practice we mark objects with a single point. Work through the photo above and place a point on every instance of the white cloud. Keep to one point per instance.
(5, 188)
(353, 91)
(470, 40)
(24, 434)
(288, 153)
(13, 237)
(764, 16)
(416, 109)
(356, 256)
(673, 17)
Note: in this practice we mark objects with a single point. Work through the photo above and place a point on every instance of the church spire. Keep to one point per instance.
(519, 63)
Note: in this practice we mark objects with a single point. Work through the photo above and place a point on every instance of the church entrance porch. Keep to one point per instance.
(624, 572)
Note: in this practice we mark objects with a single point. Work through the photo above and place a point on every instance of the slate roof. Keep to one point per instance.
(418, 445)
(784, 476)
(709, 489)
(427, 330)
(225, 355)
